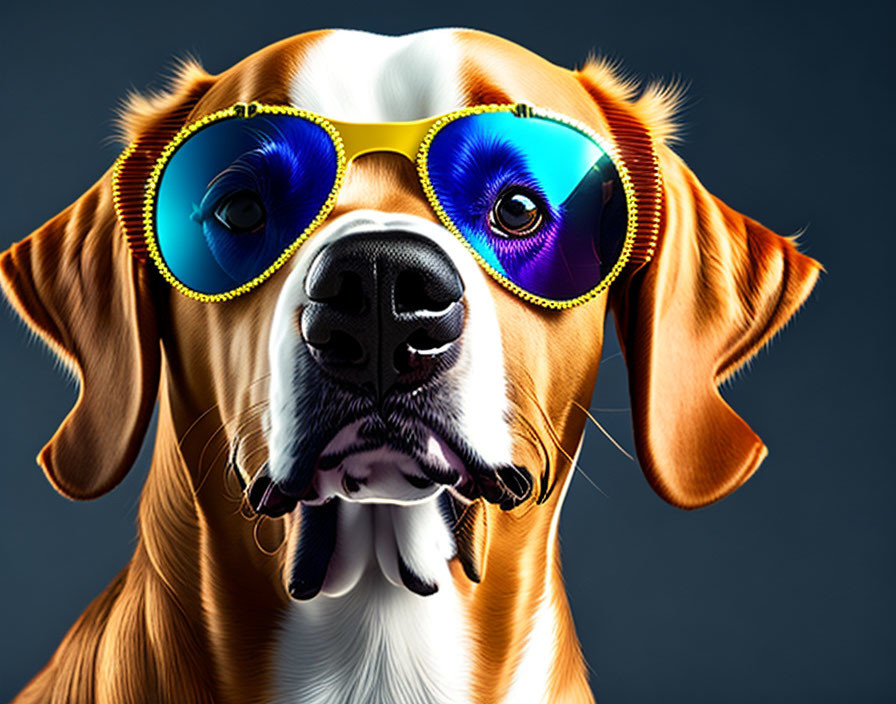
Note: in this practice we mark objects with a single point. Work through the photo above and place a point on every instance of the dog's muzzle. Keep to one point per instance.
(386, 311)
(371, 452)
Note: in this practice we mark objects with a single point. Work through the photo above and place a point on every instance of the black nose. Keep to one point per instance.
(385, 311)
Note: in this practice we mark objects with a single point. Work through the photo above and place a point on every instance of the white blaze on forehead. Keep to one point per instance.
(360, 77)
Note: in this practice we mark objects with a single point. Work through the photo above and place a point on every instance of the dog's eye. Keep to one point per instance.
(515, 213)
(241, 212)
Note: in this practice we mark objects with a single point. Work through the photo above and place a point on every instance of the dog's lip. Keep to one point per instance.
(443, 460)
(440, 466)
(438, 460)
(429, 472)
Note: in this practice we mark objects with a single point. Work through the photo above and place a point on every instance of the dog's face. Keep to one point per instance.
(382, 364)
(381, 381)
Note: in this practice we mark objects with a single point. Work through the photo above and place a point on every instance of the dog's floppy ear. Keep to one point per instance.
(718, 288)
(75, 283)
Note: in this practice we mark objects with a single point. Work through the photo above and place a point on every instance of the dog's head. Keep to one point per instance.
(386, 360)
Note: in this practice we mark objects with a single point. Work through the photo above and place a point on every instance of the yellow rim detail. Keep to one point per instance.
(240, 110)
(351, 140)
(526, 111)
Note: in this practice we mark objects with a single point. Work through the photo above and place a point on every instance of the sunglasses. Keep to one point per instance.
(546, 206)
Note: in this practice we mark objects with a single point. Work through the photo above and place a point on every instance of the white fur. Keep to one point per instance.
(422, 541)
(360, 77)
(367, 638)
(378, 642)
(354, 543)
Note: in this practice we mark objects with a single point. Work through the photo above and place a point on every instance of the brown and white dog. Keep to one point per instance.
(413, 606)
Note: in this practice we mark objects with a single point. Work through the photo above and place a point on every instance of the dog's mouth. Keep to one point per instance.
(381, 495)
(379, 468)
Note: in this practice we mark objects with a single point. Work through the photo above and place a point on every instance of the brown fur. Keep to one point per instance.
(193, 616)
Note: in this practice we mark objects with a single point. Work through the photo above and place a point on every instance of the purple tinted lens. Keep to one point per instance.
(478, 163)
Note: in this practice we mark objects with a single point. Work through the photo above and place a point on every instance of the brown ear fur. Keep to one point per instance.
(719, 287)
(75, 283)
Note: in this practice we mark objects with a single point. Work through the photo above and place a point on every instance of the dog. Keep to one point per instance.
(368, 420)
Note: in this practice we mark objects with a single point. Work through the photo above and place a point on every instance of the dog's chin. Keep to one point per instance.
(370, 505)
(373, 506)
(382, 496)
(330, 545)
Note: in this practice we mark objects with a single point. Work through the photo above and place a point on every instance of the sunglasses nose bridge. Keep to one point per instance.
(404, 138)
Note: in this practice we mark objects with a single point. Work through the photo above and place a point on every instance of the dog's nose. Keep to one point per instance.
(386, 311)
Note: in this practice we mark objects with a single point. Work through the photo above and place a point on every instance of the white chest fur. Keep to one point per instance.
(377, 643)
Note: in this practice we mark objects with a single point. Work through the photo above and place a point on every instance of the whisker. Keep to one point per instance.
(590, 480)
(231, 460)
(202, 415)
(555, 438)
(528, 433)
(552, 431)
(603, 430)
(245, 417)
(257, 527)
(251, 411)
(254, 453)
(612, 356)
(231, 463)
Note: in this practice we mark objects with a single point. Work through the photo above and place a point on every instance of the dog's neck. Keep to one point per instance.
(376, 643)
(509, 638)
(200, 614)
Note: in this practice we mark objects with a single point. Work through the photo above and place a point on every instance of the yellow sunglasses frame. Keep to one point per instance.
(350, 141)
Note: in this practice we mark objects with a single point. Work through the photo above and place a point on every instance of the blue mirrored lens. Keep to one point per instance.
(480, 165)
(236, 194)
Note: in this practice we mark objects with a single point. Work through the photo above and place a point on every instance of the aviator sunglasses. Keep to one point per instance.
(547, 207)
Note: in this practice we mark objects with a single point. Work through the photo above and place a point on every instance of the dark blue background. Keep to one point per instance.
(783, 592)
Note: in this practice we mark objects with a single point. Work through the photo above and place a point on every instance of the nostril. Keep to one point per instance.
(419, 354)
(341, 349)
(414, 293)
(411, 363)
(347, 296)
(384, 311)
